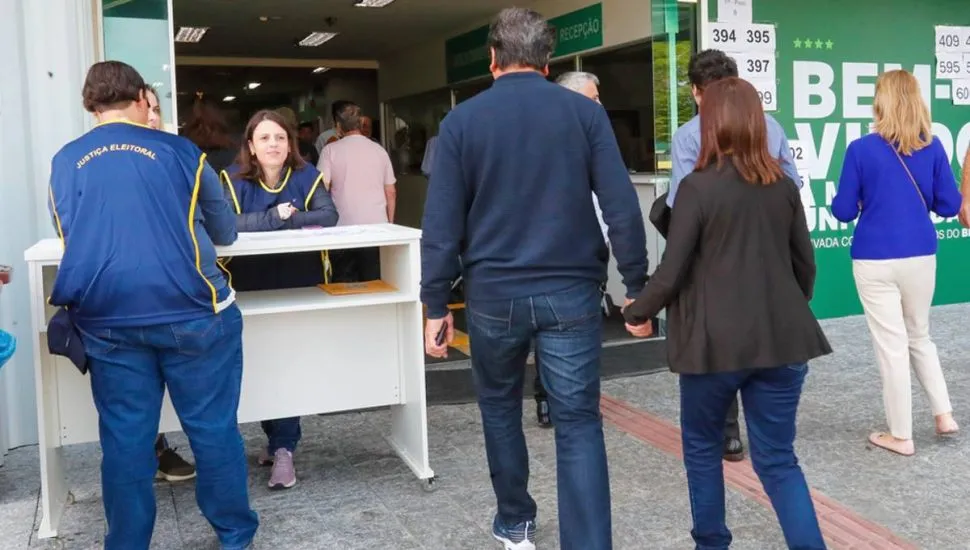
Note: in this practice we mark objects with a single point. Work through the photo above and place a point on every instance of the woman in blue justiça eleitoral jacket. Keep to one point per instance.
(271, 188)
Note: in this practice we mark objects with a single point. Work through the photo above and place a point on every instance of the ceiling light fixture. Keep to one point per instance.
(317, 38)
(190, 34)
(371, 3)
(319, 70)
(229, 98)
(253, 85)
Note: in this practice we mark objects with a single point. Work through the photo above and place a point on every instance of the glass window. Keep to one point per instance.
(626, 92)
(410, 123)
(472, 88)
(673, 101)
(137, 32)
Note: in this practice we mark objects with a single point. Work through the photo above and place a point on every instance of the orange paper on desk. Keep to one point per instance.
(368, 287)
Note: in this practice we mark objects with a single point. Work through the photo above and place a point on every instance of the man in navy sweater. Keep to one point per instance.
(510, 195)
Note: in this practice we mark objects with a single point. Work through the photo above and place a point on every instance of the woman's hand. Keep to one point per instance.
(640, 331)
(285, 210)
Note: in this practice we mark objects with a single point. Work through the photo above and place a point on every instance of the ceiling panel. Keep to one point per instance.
(235, 28)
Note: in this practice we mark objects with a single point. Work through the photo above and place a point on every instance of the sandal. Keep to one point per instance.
(885, 441)
(952, 429)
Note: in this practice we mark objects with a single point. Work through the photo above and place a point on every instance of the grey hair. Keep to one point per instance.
(521, 38)
(574, 80)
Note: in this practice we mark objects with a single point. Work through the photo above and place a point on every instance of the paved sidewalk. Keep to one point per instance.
(355, 494)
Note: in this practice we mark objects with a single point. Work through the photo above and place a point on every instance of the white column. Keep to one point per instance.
(47, 47)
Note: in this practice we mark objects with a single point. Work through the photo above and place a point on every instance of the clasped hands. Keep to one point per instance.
(286, 210)
(640, 331)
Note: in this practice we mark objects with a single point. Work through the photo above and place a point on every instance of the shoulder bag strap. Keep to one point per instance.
(911, 178)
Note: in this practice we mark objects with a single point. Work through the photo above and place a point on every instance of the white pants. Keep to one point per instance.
(896, 296)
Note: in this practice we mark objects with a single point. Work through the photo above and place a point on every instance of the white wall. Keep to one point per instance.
(47, 46)
(422, 68)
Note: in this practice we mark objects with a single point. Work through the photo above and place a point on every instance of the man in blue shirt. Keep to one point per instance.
(510, 194)
(704, 68)
(139, 212)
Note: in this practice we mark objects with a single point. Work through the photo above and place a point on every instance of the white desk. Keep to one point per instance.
(334, 360)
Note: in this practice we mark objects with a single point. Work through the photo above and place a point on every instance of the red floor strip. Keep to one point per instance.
(843, 528)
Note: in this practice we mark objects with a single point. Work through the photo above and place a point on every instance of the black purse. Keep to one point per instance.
(660, 215)
(64, 339)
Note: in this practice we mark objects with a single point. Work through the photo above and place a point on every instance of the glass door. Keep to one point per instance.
(140, 33)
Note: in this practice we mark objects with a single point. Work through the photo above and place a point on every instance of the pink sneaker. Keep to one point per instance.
(283, 474)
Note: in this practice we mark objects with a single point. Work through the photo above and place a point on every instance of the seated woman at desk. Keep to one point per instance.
(272, 188)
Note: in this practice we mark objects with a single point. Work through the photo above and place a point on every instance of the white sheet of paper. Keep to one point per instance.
(797, 149)
(951, 39)
(742, 37)
(767, 92)
(734, 11)
(808, 200)
(961, 92)
(950, 66)
(753, 66)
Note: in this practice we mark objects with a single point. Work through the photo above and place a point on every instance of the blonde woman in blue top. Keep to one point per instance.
(891, 181)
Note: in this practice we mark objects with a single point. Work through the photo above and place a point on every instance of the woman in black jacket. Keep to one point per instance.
(736, 278)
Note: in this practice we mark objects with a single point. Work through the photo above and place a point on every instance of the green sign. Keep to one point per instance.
(829, 53)
(467, 55)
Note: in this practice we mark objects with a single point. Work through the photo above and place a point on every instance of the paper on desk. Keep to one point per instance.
(315, 232)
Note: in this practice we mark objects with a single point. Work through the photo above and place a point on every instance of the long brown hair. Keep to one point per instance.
(249, 167)
(733, 124)
(206, 126)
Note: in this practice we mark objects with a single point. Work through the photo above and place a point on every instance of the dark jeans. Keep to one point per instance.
(200, 362)
(770, 399)
(356, 265)
(282, 433)
(567, 329)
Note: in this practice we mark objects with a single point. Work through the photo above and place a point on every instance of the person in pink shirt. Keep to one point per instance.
(361, 181)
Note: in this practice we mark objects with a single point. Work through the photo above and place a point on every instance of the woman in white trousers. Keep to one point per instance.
(891, 181)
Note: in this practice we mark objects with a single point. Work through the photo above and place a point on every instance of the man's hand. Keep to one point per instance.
(965, 212)
(431, 329)
(640, 331)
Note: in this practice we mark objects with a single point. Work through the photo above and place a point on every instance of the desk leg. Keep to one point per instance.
(53, 491)
(409, 420)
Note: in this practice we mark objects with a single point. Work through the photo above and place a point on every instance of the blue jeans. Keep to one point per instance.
(567, 329)
(201, 364)
(282, 433)
(770, 398)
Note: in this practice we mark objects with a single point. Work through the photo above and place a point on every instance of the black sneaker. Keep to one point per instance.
(733, 449)
(172, 467)
(542, 413)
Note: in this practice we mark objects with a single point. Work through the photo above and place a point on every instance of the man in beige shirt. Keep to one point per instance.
(362, 184)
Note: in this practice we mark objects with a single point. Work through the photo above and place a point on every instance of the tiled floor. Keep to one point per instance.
(355, 494)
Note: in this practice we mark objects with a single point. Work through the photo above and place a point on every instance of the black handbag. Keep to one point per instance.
(660, 215)
(64, 339)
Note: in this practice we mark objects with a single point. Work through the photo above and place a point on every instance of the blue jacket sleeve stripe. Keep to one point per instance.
(309, 196)
(232, 191)
(195, 241)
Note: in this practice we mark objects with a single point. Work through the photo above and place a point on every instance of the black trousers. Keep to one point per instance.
(731, 428)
